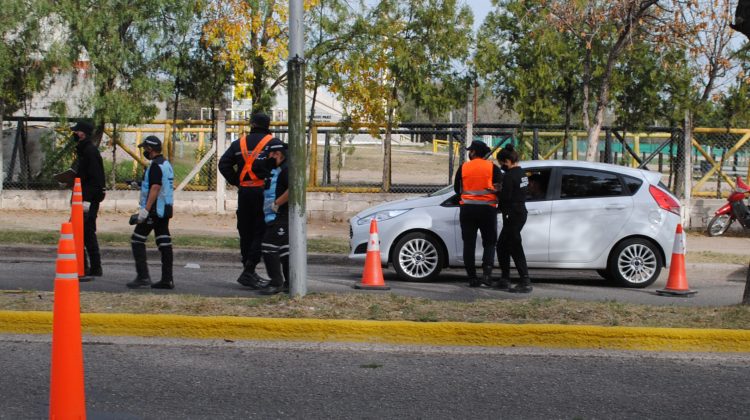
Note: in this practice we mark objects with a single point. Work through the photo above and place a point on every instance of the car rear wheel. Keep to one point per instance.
(719, 224)
(418, 256)
(634, 263)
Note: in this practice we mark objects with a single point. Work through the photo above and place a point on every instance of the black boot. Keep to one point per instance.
(166, 269)
(142, 278)
(272, 262)
(471, 272)
(487, 275)
(250, 278)
(524, 286)
(96, 265)
(502, 284)
(139, 282)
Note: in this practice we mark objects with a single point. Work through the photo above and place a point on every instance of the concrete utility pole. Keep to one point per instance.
(297, 152)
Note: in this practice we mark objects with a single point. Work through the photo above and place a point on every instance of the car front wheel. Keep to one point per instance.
(417, 257)
(634, 263)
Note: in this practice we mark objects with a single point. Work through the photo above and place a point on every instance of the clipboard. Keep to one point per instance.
(66, 177)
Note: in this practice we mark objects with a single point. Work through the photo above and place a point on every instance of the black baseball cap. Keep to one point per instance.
(480, 147)
(83, 126)
(275, 145)
(260, 120)
(152, 142)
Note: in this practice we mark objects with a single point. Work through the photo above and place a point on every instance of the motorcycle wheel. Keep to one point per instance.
(719, 224)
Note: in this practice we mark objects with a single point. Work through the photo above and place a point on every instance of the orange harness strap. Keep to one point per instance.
(249, 159)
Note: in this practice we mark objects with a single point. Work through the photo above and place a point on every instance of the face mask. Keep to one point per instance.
(147, 154)
(271, 163)
(504, 167)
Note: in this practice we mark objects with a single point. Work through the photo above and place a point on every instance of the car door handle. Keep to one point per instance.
(535, 212)
(615, 206)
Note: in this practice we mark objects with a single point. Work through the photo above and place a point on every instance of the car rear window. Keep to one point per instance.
(583, 183)
(633, 184)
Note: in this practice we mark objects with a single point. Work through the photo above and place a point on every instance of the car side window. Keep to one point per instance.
(582, 183)
(538, 183)
(633, 184)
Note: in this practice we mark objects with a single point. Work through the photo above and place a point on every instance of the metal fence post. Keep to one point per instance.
(687, 138)
(221, 146)
(535, 145)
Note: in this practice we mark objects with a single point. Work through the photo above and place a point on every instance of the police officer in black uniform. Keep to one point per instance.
(89, 168)
(512, 198)
(236, 165)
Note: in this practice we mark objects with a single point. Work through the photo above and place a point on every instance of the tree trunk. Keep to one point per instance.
(566, 134)
(2, 170)
(586, 88)
(387, 151)
(174, 116)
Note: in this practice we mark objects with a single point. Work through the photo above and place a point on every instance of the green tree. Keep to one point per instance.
(533, 69)
(402, 50)
(29, 51)
(119, 39)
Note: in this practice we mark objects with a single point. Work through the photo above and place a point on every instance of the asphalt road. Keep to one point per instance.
(159, 379)
(218, 279)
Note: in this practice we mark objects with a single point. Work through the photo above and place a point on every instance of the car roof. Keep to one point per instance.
(640, 173)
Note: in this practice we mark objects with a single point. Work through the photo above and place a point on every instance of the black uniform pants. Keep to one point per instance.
(276, 250)
(250, 224)
(90, 242)
(163, 241)
(509, 243)
(480, 217)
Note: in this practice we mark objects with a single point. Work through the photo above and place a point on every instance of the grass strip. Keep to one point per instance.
(391, 307)
(316, 245)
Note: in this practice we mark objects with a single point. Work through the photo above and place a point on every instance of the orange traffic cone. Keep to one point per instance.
(76, 217)
(372, 277)
(677, 284)
(66, 396)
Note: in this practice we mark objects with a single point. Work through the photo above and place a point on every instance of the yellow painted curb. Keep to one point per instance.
(390, 332)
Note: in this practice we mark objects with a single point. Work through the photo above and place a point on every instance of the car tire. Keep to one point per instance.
(418, 256)
(634, 263)
(719, 224)
(603, 273)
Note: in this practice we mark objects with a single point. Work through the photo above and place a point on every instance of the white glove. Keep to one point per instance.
(275, 207)
(142, 215)
(86, 206)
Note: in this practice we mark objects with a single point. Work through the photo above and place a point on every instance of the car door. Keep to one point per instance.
(535, 233)
(591, 209)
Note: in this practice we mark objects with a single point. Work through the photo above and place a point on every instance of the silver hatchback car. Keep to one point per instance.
(617, 220)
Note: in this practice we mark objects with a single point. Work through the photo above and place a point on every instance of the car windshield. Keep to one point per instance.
(441, 191)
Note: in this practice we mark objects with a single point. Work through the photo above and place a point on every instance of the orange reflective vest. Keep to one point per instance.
(249, 158)
(476, 183)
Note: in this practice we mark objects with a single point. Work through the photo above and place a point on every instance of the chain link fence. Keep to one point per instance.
(424, 156)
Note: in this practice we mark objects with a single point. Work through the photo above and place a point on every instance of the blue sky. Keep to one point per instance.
(480, 9)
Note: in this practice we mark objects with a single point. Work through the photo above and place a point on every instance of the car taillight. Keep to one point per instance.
(664, 200)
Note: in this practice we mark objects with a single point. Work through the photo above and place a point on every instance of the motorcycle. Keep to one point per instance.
(733, 209)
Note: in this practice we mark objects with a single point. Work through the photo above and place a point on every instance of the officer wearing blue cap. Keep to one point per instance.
(156, 202)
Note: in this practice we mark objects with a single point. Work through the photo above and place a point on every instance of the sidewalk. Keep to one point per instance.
(181, 224)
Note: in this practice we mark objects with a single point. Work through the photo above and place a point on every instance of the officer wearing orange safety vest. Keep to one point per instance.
(477, 182)
(236, 165)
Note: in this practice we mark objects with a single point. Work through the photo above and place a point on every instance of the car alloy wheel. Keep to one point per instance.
(634, 263)
(417, 257)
